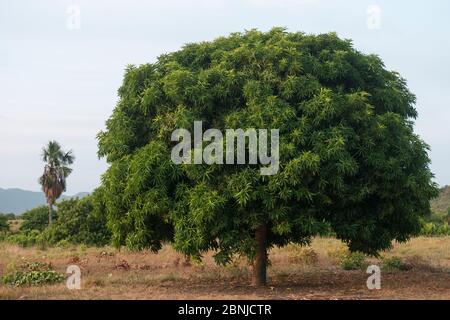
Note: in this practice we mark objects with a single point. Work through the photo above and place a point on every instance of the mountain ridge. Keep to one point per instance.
(17, 201)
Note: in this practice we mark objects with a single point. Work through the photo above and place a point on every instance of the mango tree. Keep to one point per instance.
(349, 160)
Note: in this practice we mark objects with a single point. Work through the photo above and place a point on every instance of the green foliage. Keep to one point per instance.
(435, 229)
(8, 216)
(33, 274)
(395, 264)
(26, 238)
(353, 261)
(79, 222)
(4, 226)
(33, 278)
(437, 218)
(36, 266)
(436, 223)
(35, 219)
(349, 158)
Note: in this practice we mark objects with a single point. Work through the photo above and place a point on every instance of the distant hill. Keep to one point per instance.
(18, 201)
(442, 202)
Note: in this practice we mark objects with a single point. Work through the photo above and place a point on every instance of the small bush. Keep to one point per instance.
(36, 266)
(32, 278)
(79, 221)
(435, 229)
(4, 226)
(395, 264)
(3, 236)
(8, 216)
(444, 229)
(26, 239)
(63, 244)
(353, 261)
(436, 224)
(33, 274)
(36, 219)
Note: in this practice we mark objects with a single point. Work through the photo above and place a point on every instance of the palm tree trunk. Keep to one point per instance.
(50, 213)
(259, 277)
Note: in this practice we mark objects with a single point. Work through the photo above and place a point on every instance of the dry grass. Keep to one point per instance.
(295, 273)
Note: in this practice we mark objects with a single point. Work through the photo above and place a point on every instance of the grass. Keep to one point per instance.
(419, 269)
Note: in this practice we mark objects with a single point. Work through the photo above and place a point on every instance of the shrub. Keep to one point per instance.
(36, 266)
(33, 274)
(25, 239)
(79, 222)
(436, 224)
(9, 216)
(353, 261)
(4, 226)
(63, 244)
(443, 229)
(33, 278)
(427, 229)
(36, 219)
(3, 235)
(435, 229)
(395, 263)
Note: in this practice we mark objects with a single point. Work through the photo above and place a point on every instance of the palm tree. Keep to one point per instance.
(56, 170)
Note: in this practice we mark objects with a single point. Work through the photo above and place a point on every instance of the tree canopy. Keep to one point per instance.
(349, 158)
(4, 226)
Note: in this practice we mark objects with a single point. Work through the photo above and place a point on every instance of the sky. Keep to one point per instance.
(61, 63)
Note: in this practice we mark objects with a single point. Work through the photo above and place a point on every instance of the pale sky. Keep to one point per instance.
(59, 75)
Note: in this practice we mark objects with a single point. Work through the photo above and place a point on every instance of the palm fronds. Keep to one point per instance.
(56, 170)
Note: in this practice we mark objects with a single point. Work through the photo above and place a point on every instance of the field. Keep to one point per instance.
(295, 273)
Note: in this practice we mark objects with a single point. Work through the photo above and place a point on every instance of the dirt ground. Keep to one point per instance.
(295, 273)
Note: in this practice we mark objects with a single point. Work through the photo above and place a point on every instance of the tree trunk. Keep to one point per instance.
(260, 262)
(50, 213)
